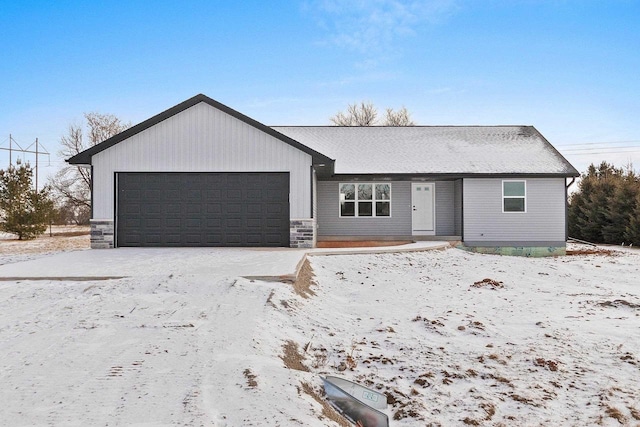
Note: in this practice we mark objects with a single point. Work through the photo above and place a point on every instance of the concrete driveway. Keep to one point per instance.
(208, 262)
(136, 262)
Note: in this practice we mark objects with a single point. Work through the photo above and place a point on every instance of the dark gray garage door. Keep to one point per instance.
(202, 209)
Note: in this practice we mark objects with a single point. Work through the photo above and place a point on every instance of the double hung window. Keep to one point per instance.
(514, 196)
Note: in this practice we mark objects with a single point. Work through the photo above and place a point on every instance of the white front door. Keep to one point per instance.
(423, 208)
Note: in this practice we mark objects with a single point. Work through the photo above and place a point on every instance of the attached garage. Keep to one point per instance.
(202, 209)
(201, 174)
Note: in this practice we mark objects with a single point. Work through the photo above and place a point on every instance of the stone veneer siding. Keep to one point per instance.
(302, 233)
(101, 234)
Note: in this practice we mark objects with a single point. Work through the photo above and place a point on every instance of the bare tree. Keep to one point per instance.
(366, 114)
(402, 117)
(72, 184)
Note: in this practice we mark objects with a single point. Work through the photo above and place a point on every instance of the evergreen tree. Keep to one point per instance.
(605, 207)
(620, 209)
(632, 231)
(25, 211)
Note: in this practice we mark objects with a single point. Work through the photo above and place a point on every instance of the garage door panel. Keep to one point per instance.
(152, 208)
(254, 194)
(172, 208)
(173, 223)
(202, 209)
(154, 223)
(233, 239)
(274, 208)
(271, 238)
(213, 223)
(155, 194)
(193, 209)
(254, 222)
(153, 238)
(214, 208)
(255, 239)
(232, 223)
(234, 195)
(133, 239)
(172, 182)
(213, 193)
(214, 240)
(132, 194)
(172, 239)
(171, 194)
(193, 239)
(132, 209)
(233, 208)
(132, 222)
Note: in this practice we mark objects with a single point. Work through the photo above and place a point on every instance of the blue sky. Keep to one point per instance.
(568, 67)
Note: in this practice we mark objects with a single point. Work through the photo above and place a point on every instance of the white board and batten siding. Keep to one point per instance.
(398, 224)
(202, 139)
(542, 224)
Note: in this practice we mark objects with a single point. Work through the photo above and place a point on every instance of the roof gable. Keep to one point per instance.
(84, 158)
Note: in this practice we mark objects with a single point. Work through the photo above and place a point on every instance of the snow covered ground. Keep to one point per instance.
(451, 337)
(58, 239)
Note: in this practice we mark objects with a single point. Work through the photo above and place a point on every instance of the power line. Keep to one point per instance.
(602, 148)
(597, 143)
(38, 151)
(601, 152)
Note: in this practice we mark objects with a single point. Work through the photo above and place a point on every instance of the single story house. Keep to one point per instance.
(203, 174)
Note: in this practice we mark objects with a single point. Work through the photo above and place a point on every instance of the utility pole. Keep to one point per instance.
(37, 152)
(36, 165)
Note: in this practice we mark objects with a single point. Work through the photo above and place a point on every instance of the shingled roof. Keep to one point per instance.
(458, 150)
(434, 150)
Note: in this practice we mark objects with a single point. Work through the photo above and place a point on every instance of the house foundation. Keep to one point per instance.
(526, 251)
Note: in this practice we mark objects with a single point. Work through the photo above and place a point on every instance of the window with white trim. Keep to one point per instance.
(514, 196)
(360, 199)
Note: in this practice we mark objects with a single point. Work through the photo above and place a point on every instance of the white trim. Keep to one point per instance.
(524, 181)
(415, 232)
(373, 200)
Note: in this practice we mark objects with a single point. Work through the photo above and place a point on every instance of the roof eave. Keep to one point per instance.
(450, 175)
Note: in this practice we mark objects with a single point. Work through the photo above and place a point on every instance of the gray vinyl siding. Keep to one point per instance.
(457, 207)
(399, 224)
(314, 198)
(543, 221)
(202, 139)
(445, 212)
(331, 224)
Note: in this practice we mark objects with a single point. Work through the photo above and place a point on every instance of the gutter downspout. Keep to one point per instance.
(566, 210)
